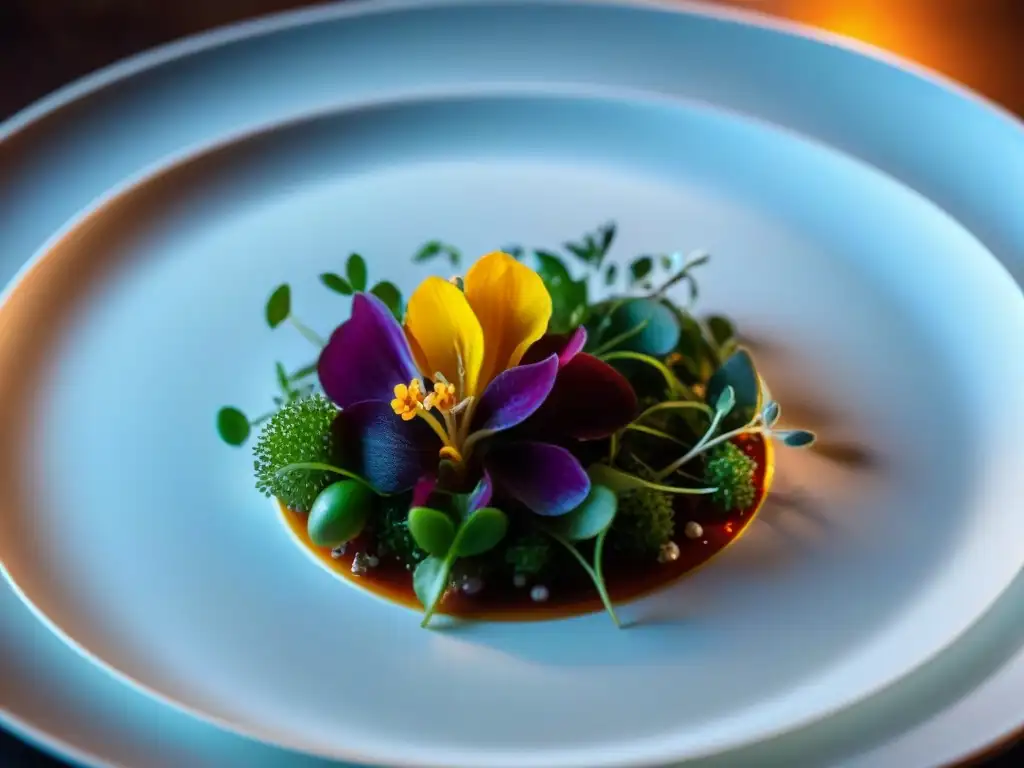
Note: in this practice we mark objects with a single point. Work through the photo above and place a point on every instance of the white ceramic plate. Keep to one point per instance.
(555, 235)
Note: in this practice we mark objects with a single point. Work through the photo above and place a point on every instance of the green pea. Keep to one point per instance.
(339, 513)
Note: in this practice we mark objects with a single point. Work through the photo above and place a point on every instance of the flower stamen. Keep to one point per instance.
(408, 399)
(450, 452)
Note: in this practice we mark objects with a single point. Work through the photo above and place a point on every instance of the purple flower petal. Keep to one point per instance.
(423, 490)
(565, 345)
(392, 454)
(481, 495)
(514, 395)
(366, 356)
(590, 400)
(546, 478)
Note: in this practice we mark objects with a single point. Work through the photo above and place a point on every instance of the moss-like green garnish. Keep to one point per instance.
(391, 528)
(300, 432)
(529, 554)
(645, 521)
(731, 471)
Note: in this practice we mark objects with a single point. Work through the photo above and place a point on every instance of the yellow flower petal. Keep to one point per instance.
(513, 308)
(441, 327)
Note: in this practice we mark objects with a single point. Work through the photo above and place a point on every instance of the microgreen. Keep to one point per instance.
(435, 248)
(279, 305)
(590, 520)
(478, 531)
(337, 283)
(232, 426)
(593, 248)
(355, 270)
(388, 292)
(639, 269)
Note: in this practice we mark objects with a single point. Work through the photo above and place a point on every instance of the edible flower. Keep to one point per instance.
(472, 381)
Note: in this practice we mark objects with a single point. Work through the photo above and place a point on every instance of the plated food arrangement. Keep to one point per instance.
(502, 446)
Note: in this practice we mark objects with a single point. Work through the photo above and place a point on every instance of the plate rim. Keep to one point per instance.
(90, 84)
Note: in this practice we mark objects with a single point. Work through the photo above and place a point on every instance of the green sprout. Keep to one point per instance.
(731, 471)
(297, 434)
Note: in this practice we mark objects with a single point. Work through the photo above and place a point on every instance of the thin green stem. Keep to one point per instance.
(595, 576)
(312, 336)
(655, 433)
(303, 372)
(317, 465)
(715, 421)
(449, 561)
(674, 384)
(614, 341)
(673, 405)
(260, 419)
(705, 445)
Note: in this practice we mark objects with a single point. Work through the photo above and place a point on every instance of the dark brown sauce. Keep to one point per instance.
(575, 595)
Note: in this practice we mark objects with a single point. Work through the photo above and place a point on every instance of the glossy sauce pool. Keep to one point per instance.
(575, 595)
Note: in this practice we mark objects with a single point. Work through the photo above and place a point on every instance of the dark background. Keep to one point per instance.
(46, 43)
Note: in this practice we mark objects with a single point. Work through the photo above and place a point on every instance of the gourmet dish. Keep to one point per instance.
(505, 445)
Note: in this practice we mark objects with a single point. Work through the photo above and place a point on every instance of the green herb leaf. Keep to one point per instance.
(739, 373)
(568, 296)
(481, 532)
(339, 513)
(607, 233)
(645, 326)
(282, 379)
(388, 292)
(232, 426)
(435, 248)
(640, 268)
(721, 330)
(279, 305)
(770, 413)
(795, 438)
(432, 530)
(336, 283)
(610, 273)
(430, 582)
(591, 517)
(355, 269)
(515, 251)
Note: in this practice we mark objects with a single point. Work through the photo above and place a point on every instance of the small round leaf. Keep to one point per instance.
(279, 305)
(721, 329)
(339, 513)
(388, 293)
(356, 271)
(232, 426)
(739, 373)
(336, 283)
(591, 517)
(641, 268)
(726, 400)
(430, 580)
(647, 327)
(432, 530)
(481, 532)
(770, 413)
(796, 438)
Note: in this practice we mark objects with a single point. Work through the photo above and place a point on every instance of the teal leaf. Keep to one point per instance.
(591, 517)
(726, 401)
(640, 268)
(432, 530)
(481, 532)
(232, 426)
(795, 438)
(355, 269)
(430, 581)
(388, 292)
(770, 413)
(739, 373)
(646, 326)
(339, 513)
(336, 283)
(279, 305)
